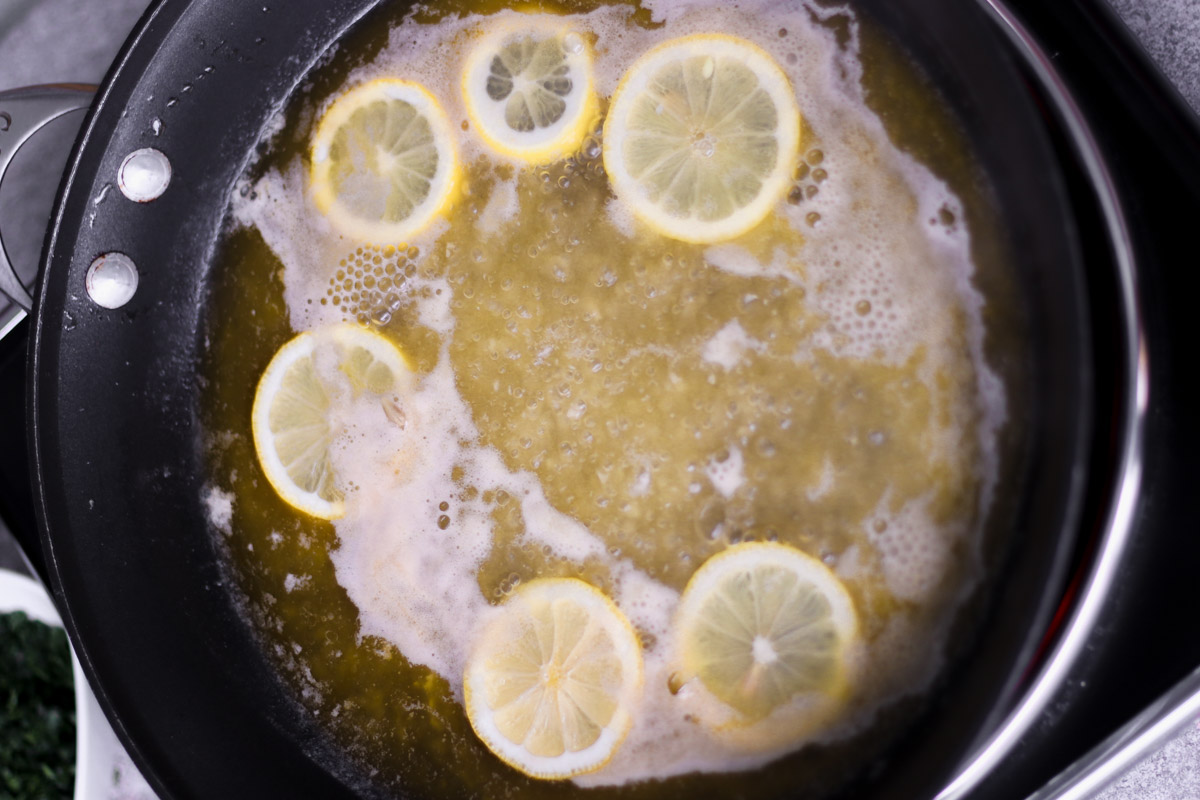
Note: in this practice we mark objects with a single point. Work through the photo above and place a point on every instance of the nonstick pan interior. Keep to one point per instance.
(118, 453)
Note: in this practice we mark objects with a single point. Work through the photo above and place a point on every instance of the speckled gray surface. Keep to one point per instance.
(1173, 773)
(71, 40)
(1170, 32)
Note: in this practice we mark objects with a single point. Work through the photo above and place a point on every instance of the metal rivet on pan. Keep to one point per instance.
(111, 280)
(144, 175)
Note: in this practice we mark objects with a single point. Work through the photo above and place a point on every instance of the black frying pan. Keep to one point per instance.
(117, 449)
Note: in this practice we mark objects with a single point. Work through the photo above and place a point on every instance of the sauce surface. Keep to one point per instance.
(595, 400)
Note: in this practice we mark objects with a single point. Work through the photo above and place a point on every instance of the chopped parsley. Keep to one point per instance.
(37, 710)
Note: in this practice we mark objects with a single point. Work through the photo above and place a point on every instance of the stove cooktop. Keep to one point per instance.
(1144, 642)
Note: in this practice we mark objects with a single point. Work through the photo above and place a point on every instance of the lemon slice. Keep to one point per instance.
(529, 92)
(383, 161)
(550, 685)
(763, 624)
(701, 136)
(291, 419)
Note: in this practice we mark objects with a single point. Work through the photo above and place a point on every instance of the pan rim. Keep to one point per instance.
(1134, 404)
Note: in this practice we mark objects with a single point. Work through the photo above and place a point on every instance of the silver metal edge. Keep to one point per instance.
(1131, 743)
(35, 107)
(7, 326)
(1118, 523)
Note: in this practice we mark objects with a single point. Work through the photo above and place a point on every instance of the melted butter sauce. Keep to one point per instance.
(598, 401)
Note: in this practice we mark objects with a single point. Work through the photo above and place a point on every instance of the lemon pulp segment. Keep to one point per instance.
(528, 91)
(701, 137)
(383, 161)
(290, 419)
(550, 686)
(763, 623)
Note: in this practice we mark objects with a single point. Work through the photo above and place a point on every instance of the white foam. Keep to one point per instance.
(413, 582)
(823, 484)
(218, 504)
(737, 260)
(641, 483)
(727, 346)
(501, 206)
(848, 564)
(620, 217)
(727, 475)
(913, 550)
(293, 582)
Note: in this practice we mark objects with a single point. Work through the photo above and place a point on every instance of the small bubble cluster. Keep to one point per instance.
(586, 162)
(806, 180)
(368, 284)
(913, 553)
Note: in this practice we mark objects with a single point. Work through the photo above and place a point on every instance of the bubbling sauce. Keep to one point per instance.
(595, 400)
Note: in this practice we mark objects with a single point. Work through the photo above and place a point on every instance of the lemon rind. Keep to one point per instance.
(750, 553)
(569, 139)
(628, 190)
(715, 569)
(302, 346)
(273, 468)
(444, 188)
(602, 750)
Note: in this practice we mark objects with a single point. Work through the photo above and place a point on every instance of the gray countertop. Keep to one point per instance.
(74, 40)
(1170, 32)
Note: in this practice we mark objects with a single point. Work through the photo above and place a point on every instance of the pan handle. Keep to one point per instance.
(24, 112)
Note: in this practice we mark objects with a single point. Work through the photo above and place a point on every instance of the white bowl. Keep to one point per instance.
(96, 746)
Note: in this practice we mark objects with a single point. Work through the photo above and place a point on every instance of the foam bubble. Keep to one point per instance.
(218, 504)
(727, 474)
(823, 485)
(727, 346)
(913, 550)
(737, 260)
(293, 582)
(501, 206)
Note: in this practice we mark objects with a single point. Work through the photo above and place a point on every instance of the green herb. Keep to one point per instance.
(37, 710)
